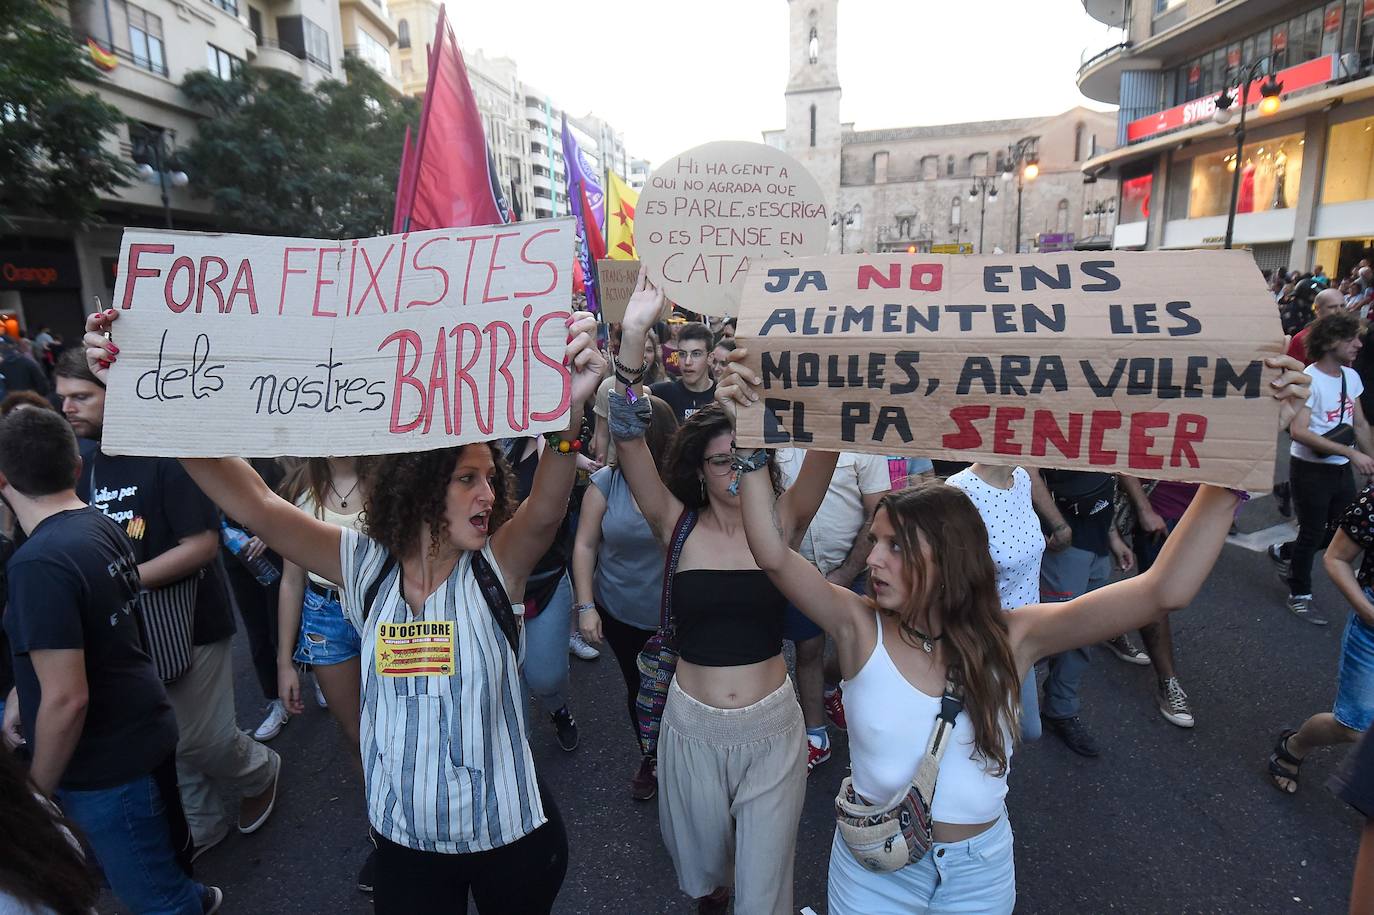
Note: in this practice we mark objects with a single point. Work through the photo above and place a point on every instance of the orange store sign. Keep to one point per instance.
(37, 276)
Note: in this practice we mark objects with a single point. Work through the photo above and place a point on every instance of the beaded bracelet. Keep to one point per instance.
(563, 445)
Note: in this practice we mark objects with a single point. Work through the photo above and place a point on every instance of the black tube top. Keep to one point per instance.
(727, 617)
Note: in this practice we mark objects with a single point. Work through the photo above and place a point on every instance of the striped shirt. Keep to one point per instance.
(446, 756)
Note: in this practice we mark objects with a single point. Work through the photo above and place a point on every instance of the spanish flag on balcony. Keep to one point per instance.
(101, 57)
(621, 201)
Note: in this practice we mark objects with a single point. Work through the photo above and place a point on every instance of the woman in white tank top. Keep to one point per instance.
(932, 606)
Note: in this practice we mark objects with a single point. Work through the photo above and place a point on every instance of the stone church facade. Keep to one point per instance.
(912, 188)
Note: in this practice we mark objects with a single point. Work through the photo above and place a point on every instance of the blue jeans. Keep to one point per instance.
(1064, 575)
(545, 670)
(1354, 706)
(128, 831)
(978, 875)
(326, 635)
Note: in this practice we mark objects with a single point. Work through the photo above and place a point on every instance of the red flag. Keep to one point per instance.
(452, 177)
(596, 245)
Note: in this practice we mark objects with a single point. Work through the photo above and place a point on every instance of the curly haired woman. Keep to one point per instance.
(450, 781)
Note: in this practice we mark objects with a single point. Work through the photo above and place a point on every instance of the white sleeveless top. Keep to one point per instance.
(890, 723)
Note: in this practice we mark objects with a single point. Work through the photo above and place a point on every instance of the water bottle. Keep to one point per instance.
(236, 540)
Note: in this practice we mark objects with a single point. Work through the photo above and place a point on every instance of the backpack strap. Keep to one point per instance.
(498, 601)
(685, 523)
(375, 586)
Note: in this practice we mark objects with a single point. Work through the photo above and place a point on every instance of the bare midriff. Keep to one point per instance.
(959, 832)
(731, 687)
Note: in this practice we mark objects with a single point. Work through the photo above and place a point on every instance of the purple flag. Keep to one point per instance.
(581, 176)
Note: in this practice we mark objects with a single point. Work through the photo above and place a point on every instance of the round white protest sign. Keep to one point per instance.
(707, 212)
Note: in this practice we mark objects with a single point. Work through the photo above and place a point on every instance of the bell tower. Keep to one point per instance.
(812, 135)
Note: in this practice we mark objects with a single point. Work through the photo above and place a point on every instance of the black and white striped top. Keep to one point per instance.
(445, 743)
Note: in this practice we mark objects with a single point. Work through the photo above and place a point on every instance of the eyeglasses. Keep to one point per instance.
(692, 355)
(720, 464)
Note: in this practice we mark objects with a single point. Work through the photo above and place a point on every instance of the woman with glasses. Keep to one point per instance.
(732, 749)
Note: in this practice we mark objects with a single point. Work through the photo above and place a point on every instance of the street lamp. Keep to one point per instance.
(1098, 209)
(151, 152)
(852, 217)
(984, 189)
(1023, 161)
(1270, 90)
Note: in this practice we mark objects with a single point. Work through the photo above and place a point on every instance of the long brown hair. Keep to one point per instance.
(407, 493)
(959, 584)
(311, 476)
(39, 865)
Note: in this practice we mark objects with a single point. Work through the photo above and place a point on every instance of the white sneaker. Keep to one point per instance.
(271, 725)
(578, 646)
(320, 700)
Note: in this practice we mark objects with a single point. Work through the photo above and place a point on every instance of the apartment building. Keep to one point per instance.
(1305, 194)
(156, 43)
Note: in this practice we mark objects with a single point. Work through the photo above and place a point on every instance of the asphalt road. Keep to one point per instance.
(1167, 820)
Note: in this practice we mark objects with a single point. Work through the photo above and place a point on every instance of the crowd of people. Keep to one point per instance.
(943, 615)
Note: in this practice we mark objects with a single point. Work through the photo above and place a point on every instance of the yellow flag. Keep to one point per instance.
(621, 200)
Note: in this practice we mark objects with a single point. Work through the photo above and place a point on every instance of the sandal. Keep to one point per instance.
(1281, 753)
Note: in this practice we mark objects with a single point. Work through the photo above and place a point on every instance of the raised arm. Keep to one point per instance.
(520, 542)
(658, 505)
(833, 608)
(233, 485)
(798, 505)
(1171, 583)
(1183, 565)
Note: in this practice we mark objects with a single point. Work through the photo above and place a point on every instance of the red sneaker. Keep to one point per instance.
(834, 709)
(815, 755)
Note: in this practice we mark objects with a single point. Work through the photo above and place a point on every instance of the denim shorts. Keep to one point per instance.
(1354, 706)
(327, 637)
(977, 875)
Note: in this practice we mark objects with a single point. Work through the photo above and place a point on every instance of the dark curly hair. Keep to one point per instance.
(1324, 333)
(39, 865)
(407, 492)
(684, 470)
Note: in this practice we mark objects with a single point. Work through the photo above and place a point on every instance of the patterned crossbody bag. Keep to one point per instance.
(886, 839)
(658, 660)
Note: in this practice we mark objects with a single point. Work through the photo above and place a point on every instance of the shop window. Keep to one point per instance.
(1349, 162)
(1269, 174)
(1135, 198)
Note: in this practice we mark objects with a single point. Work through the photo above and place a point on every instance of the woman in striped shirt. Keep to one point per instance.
(451, 788)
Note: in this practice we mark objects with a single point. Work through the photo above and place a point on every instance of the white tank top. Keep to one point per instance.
(890, 723)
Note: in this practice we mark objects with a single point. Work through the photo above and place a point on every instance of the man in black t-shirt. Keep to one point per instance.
(1075, 507)
(86, 696)
(174, 530)
(694, 388)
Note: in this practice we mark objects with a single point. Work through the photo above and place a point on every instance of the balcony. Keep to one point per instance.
(1099, 75)
(1108, 12)
(272, 56)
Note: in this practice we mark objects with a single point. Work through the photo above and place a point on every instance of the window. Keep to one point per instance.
(1349, 162)
(373, 52)
(316, 43)
(955, 212)
(1061, 217)
(813, 46)
(229, 6)
(813, 125)
(1163, 6)
(221, 62)
(1135, 194)
(949, 166)
(145, 40)
(1269, 175)
(403, 34)
(1078, 142)
(255, 23)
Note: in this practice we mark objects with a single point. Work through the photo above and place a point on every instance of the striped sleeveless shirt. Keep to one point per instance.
(446, 756)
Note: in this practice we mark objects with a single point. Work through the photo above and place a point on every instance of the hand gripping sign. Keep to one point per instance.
(259, 346)
(709, 212)
(1147, 363)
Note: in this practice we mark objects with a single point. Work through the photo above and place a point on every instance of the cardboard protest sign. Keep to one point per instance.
(706, 213)
(615, 281)
(1148, 363)
(258, 346)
